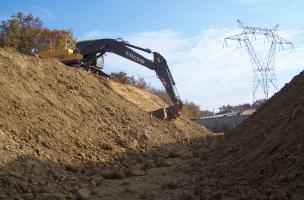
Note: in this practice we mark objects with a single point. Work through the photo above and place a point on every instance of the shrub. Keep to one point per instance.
(26, 34)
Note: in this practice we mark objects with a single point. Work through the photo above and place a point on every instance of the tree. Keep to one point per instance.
(206, 113)
(20, 31)
(54, 39)
(258, 103)
(26, 34)
(122, 77)
(191, 110)
(228, 108)
(225, 109)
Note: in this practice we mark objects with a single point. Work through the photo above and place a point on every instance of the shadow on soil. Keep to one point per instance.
(29, 177)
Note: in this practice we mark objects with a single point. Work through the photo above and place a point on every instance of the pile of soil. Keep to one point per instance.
(69, 134)
(263, 158)
(64, 130)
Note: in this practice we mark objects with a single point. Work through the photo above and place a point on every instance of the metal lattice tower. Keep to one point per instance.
(263, 67)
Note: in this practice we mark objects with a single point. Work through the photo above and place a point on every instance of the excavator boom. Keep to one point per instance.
(91, 50)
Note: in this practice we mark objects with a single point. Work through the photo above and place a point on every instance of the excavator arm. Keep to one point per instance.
(92, 50)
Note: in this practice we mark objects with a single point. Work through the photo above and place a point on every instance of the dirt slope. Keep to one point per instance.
(263, 158)
(62, 130)
(66, 134)
(143, 99)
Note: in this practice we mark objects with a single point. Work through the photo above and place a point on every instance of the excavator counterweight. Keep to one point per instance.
(86, 54)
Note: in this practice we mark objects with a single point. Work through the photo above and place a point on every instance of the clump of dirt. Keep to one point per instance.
(263, 158)
(64, 130)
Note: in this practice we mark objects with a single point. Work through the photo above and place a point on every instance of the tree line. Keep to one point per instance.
(190, 110)
(27, 34)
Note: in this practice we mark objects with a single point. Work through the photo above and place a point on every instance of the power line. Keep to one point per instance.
(263, 68)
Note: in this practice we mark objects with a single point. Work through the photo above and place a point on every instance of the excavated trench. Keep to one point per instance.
(68, 134)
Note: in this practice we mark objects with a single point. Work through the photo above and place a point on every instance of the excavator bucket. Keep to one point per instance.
(170, 113)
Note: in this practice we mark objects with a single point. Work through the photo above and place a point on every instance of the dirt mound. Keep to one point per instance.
(67, 134)
(63, 130)
(141, 98)
(263, 158)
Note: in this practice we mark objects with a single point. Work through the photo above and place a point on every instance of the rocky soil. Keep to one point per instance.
(69, 134)
(263, 158)
(64, 131)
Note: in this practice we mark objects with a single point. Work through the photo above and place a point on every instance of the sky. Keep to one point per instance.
(189, 34)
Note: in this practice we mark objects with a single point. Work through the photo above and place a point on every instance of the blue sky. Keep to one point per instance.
(188, 33)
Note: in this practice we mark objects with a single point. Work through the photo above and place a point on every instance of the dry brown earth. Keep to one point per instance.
(63, 131)
(67, 134)
(263, 158)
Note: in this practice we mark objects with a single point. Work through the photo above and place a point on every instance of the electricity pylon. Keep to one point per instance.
(263, 68)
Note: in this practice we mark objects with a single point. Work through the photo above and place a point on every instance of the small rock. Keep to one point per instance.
(168, 163)
(53, 196)
(130, 190)
(5, 147)
(97, 179)
(133, 144)
(115, 173)
(3, 196)
(37, 151)
(28, 196)
(170, 185)
(217, 195)
(297, 197)
(82, 194)
(72, 169)
(278, 195)
(106, 146)
(123, 142)
(174, 154)
(16, 174)
(53, 173)
(282, 177)
(149, 164)
(46, 145)
(145, 136)
(82, 155)
(150, 195)
(186, 196)
(39, 139)
(21, 146)
(95, 191)
(187, 156)
(144, 196)
(160, 163)
(125, 183)
(137, 172)
(7, 180)
(28, 164)
(93, 183)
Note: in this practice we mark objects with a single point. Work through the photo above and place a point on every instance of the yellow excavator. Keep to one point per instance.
(86, 55)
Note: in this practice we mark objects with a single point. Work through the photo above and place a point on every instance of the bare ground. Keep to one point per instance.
(67, 134)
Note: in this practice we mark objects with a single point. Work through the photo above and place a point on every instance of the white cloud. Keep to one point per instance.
(204, 71)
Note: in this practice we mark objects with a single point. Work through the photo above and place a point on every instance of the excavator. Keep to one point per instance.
(87, 53)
